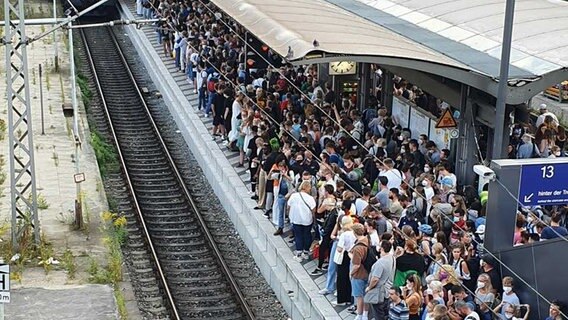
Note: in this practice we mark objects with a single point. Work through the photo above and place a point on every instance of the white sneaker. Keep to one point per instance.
(298, 258)
(335, 294)
(324, 292)
(305, 256)
(358, 317)
(194, 90)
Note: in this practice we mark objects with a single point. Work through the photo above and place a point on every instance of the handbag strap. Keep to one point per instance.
(304, 201)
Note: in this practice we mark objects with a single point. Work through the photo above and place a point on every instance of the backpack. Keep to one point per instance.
(370, 258)
(211, 85)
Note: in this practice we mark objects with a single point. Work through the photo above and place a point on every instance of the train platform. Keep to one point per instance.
(63, 290)
(292, 281)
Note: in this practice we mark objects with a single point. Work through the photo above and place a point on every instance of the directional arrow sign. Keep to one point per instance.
(544, 184)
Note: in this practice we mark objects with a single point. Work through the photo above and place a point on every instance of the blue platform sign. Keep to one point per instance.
(544, 184)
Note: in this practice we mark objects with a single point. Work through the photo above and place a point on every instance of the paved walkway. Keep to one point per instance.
(233, 157)
(54, 295)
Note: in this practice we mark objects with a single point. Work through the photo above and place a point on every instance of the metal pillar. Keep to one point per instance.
(20, 132)
(499, 150)
(387, 90)
(466, 148)
(78, 204)
(55, 44)
(365, 88)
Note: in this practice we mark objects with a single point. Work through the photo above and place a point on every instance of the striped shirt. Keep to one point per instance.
(398, 311)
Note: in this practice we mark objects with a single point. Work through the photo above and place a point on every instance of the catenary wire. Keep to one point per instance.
(376, 158)
(358, 142)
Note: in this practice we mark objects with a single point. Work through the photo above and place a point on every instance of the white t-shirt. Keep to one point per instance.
(429, 192)
(346, 240)
(299, 211)
(375, 241)
(540, 119)
(360, 205)
(394, 176)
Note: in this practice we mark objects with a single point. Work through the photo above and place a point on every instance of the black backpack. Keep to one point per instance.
(371, 257)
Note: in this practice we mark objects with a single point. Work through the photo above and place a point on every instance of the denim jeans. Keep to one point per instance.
(178, 58)
(331, 283)
(202, 99)
(208, 105)
(159, 35)
(189, 71)
(281, 210)
(302, 237)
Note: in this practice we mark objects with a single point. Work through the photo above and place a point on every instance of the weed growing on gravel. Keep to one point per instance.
(105, 153)
(3, 128)
(69, 264)
(42, 204)
(86, 93)
(115, 235)
(46, 254)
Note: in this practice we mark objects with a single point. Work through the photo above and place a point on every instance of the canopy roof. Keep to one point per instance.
(471, 31)
(290, 27)
(456, 39)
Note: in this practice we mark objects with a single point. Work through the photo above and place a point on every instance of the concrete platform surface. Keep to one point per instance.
(88, 302)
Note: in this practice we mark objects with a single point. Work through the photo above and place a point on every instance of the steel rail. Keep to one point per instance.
(138, 210)
(248, 312)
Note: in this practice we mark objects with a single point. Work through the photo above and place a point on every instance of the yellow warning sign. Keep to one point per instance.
(446, 121)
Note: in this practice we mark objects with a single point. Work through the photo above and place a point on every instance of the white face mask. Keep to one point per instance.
(424, 183)
(400, 138)
(508, 315)
(480, 285)
(426, 169)
(507, 289)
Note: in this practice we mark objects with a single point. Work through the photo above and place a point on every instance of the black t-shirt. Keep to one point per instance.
(496, 280)
(219, 102)
(410, 261)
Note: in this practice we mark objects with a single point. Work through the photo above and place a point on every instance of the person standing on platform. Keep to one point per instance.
(301, 206)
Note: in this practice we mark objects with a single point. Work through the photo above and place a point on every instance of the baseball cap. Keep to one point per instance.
(543, 106)
(426, 229)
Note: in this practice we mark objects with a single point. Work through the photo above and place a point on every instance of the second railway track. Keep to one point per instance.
(193, 277)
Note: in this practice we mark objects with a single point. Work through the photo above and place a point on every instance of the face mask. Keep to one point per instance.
(424, 183)
(400, 138)
(507, 289)
(508, 315)
(456, 219)
(434, 240)
(480, 285)
(426, 169)
(402, 150)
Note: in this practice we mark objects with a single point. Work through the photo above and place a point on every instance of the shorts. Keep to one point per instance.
(358, 287)
(218, 121)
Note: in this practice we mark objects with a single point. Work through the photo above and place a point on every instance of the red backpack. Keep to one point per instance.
(211, 85)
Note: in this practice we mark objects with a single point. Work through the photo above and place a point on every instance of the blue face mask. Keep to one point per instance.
(456, 219)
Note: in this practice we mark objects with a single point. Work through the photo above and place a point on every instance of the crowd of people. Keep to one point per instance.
(394, 232)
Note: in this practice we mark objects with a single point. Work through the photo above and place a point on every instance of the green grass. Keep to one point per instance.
(105, 154)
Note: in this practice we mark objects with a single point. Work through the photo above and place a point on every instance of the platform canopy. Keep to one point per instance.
(455, 39)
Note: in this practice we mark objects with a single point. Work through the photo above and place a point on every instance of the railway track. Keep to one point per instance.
(174, 251)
